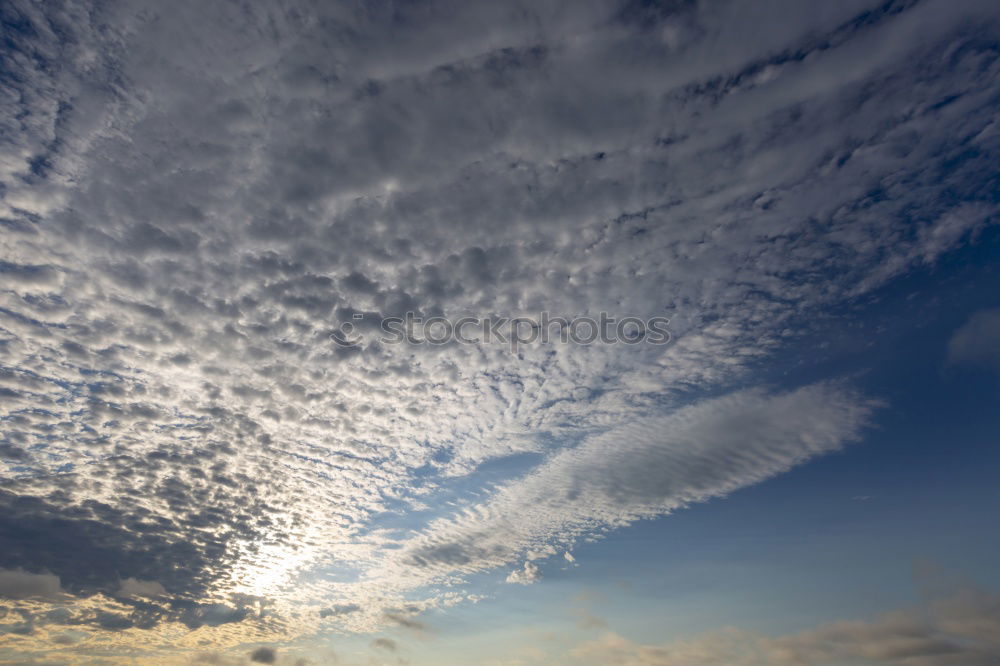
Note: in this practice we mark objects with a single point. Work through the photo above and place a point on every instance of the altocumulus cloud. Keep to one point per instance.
(194, 196)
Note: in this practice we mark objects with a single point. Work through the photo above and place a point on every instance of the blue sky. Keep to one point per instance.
(211, 214)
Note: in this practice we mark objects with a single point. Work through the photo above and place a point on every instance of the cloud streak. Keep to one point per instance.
(642, 470)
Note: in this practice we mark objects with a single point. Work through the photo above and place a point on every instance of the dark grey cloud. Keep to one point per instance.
(159, 571)
(385, 644)
(18, 584)
(405, 621)
(93, 547)
(264, 655)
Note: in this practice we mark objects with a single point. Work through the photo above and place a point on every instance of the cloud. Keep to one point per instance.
(18, 584)
(131, 587)
(405, 621)
(959, 630)
(977, 341)
(384, 644)
(339, 609)
(526, 576)
(199, 615)
(264, 655)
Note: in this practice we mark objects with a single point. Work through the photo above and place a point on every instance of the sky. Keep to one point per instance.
(276, 378)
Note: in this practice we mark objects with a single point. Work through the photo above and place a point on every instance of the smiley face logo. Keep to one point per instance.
(347, 334)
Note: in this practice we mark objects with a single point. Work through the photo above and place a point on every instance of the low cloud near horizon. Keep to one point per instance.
(959, 629)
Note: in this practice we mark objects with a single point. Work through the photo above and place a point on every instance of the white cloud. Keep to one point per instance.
(526, 576)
